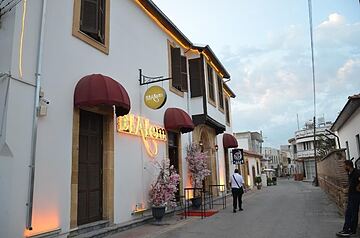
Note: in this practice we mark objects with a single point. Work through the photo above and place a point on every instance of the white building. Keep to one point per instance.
(304, 146)
(347, 127)
(251, 143)
(63, 66)
(273, 156)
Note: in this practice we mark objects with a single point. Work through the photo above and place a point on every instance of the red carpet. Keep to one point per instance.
(198, 213)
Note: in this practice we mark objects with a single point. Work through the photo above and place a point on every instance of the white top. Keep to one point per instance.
(238, 178)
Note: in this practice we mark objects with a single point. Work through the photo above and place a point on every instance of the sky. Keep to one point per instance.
(265, 46)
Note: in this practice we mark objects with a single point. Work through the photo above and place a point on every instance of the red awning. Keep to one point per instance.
(178, 119)
(98, 89)
(229, 141)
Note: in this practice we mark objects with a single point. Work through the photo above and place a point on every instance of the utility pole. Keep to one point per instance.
(316, 182)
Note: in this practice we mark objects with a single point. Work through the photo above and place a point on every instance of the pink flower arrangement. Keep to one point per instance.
(197, 165)
(162, 191)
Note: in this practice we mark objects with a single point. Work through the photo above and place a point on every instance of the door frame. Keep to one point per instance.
(108, 163)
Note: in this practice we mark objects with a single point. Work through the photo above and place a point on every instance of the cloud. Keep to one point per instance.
(273, 82)
(334, 19)
(348, 69)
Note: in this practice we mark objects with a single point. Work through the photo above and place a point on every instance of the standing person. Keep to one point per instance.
(237, 183)
(352, 210)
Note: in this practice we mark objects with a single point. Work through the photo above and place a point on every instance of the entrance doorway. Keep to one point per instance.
(173, 146)
(90, 190)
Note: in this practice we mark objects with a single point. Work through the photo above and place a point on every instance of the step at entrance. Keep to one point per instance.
(86, 228)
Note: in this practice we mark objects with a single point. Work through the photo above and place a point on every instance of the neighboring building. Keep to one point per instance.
(347, 127)
(95, 161)
(251, 143)
(287, 162)
(303, 147)
(274, 157)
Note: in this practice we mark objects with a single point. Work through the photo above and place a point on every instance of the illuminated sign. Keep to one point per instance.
(140, 126)
(155, 97)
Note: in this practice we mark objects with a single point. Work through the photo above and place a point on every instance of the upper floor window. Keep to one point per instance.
(178, 70)
(196, 71)
(211, 87)
(91, 23)
(227, 115)
(220, 92)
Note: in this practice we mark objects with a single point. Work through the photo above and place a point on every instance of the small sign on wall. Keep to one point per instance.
(155, 97)
(238, 156)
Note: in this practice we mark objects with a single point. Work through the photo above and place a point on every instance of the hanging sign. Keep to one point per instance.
(238, 156)
(155, 97)
(141, 127)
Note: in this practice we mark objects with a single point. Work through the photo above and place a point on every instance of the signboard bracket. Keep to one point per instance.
(144, 80)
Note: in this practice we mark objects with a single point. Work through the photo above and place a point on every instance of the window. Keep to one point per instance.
(220, 92)
(178, 70)
(347, 150)
(91, 23)
(196, 71)
(227, 115)
(211, 83)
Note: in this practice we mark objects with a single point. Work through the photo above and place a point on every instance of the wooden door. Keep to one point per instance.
(90, 168)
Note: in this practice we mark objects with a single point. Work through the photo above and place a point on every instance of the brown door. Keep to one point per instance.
(90, 168)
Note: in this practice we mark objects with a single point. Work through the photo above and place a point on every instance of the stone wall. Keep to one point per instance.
(333, 178)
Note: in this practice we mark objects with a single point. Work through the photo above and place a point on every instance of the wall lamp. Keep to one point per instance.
(216, 147)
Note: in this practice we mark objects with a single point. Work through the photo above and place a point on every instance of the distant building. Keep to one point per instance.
(347, 127)
(251, 143)
(287, 163)
(272, 156)
(302, 146)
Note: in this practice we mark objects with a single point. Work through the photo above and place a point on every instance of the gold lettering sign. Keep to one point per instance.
(140, 126)
(155, 97)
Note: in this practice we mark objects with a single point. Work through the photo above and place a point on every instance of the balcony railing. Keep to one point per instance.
(305, 153)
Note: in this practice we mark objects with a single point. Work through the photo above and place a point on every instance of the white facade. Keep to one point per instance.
(136, 42)
(304, 143)
(347, 127)
(349, 136)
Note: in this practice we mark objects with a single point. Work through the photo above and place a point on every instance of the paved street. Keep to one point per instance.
(290, 209)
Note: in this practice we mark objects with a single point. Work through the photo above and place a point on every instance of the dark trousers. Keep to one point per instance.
(237, 197)
(351, 214)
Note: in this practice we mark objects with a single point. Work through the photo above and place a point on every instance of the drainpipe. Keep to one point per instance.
(30, 198)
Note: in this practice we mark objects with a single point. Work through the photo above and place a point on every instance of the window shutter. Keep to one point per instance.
(176, 67)
(101, 32)
(220, 92)
(184, 82)
(89, 18)
(196, 69)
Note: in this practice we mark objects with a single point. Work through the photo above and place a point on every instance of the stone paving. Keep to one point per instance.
(290, 209)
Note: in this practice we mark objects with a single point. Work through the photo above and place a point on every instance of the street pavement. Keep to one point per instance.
(290, 209)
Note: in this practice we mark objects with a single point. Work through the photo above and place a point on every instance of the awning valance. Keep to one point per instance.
(178, 119)
(229, 141)
(97, 89)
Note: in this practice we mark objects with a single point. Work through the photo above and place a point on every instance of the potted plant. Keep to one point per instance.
(269, 181)
(198, 170)
(258, 182)
(163, 189)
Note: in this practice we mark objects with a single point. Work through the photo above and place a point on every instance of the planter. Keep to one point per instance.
(258, 186)
(196, 202)
(158, 213)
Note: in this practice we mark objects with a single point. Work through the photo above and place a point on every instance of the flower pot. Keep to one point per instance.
(258, 186)
(196, 202)
(158, 212)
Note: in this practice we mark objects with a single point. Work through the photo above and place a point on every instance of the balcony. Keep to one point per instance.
(305, 153)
